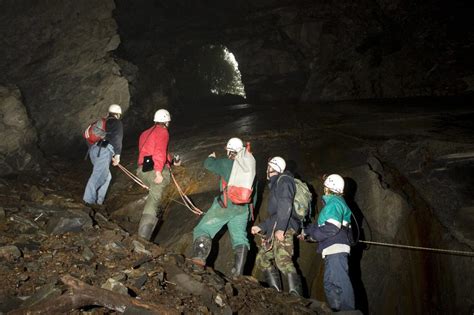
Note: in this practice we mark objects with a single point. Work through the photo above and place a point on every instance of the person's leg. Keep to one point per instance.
(237, 226)
(337, 285)
(264, 261)
(155, 194)
(152, 210)
(106, 177)
(211, 223)
(284, 260)
(99, 174)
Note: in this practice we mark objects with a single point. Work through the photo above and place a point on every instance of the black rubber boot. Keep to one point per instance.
(201, 249)
(272, 276)
(240, 257)
(147, 226)
(294, 284)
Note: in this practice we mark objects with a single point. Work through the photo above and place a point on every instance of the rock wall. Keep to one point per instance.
(18, 148)
(311, 50)
(60, 56)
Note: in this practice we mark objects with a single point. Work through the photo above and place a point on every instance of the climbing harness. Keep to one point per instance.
(187, 202)
(267, 243)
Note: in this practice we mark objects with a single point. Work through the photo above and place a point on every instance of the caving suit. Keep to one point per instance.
(234, 216)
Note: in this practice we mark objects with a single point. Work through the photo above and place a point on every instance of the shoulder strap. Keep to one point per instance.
(148, 136)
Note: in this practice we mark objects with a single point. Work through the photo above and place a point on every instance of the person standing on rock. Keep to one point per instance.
(333, 233)
(101, 154)
(154, 169)
(235, 216)
(279, 229)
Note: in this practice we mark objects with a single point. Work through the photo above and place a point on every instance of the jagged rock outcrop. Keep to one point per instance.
(18, 148)
(60, 55)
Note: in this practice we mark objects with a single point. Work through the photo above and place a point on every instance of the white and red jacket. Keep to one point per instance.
(154, 142)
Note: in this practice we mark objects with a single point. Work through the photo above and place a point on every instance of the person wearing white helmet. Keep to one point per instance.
(101, 154)
(332, 231)
(279, 229)
(235, 216)
(153, 169)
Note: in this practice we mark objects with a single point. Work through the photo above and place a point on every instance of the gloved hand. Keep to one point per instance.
(255, 229)
(176, 160)
(116, 160)
(213, 154)
(158, 178)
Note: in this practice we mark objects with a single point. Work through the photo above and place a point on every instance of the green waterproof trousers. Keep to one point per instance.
(152, 205)
(236, 218)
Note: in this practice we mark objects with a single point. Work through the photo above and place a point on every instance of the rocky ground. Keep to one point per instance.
(47, 237)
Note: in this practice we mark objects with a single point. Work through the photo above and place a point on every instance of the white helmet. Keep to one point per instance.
(115, 109)
(162, 116)
(335, 183)
(234, 144)
(278, 164)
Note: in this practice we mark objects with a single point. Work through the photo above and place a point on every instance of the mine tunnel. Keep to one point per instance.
(378, 92)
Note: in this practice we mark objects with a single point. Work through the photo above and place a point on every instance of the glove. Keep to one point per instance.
(116, 160)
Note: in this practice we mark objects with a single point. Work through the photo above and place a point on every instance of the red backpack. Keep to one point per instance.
(95, 131)
(240, 187)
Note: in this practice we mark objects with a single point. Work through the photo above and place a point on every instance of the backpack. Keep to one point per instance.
(302, 199)
(239, 189)
(95, 131)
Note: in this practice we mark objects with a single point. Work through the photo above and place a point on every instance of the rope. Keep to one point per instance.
(439, 250)
(447, 251)
(133, 177)
(188, 203)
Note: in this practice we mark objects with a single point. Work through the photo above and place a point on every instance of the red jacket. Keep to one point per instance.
(154, 141)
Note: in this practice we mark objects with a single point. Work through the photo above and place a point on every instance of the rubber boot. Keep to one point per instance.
(147, 226)
(240, 257)
(201, 249)
(294, 284)
(272, 276)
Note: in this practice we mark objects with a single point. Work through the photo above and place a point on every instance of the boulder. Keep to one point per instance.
(18, 148)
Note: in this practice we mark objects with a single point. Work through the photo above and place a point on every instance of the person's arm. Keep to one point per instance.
(329, 228)
(218, 166)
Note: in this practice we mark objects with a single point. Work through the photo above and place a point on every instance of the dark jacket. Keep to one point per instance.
(114, 134)
(280, 205)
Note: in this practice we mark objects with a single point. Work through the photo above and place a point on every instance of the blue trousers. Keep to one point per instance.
(337, 285)
(99, 181)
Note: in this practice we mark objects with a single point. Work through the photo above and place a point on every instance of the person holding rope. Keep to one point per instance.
(153, 170)
(334, 235)
(223, 213)
(102, 153)
(279, 229)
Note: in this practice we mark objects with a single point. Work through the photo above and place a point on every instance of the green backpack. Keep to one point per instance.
(302, 201)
